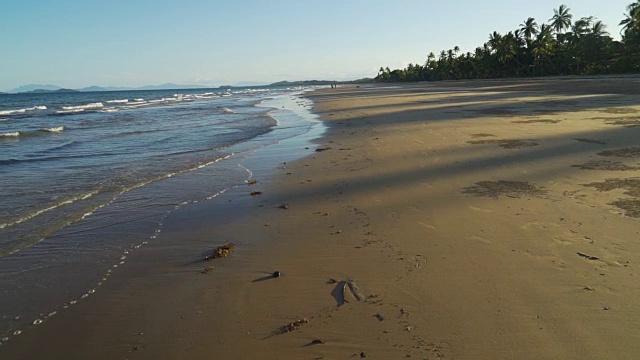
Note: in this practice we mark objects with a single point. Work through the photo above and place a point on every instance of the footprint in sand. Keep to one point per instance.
(479, 209)
(428, 226)
(539, 225)
(479, 238)
(563, 241)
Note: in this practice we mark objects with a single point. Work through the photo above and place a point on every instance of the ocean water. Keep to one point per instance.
(87, 178)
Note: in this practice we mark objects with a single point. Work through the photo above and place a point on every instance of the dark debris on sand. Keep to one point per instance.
(293, 325)
(606, 165)
(631, 186)
(506, 143)
(221, 252)
(514, 189)
(623, 152)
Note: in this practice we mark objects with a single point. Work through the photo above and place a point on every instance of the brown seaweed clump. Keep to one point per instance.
(221, 252)
(293, 325)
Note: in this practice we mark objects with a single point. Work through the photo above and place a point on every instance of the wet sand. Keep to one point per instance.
(458, 220)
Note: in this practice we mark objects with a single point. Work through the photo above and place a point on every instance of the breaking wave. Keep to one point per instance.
(20, 111)
(43, 131)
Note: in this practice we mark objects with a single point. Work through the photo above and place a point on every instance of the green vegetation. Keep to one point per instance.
(559, 47)
(320, 82)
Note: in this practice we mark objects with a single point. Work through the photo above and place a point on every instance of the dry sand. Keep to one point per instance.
(459, 220)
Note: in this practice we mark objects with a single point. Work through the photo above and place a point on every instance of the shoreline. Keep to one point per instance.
(242, 160)
(436, 223)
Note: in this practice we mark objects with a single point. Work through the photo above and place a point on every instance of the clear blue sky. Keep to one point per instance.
(77, 43)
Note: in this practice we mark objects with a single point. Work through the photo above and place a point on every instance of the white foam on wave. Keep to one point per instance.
(52, 207)
(20, 111)
(10, 134)
(69, 111)
(226, 110)
(56, 129)
(133, 105)
(96, 105)
(123, 101)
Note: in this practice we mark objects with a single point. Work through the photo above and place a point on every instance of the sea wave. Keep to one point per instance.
(74, 111)
(41, 211)
(84, 107)
(10, 134)
(15, 134)
(56, 129)
(227, 110)
(123, 101)
(20, 111)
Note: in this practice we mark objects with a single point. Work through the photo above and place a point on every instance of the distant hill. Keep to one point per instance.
(43, 91)
(32, 87)
(39, 88)
(167, 86)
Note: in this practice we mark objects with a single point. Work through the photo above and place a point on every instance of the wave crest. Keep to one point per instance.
(84, 107)
(20, 111)
(10, 134)
(56, 129)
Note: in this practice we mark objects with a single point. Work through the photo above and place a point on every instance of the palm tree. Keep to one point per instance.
(543, 46)
(598, 29)
(494, 40)
(631, 22)
(561, 19)
(582, 26)
(529, 28)
(559, 47)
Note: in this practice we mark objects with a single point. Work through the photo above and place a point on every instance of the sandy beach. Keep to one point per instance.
(453, 220)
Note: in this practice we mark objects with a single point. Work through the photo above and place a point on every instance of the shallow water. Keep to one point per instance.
(80, 200)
